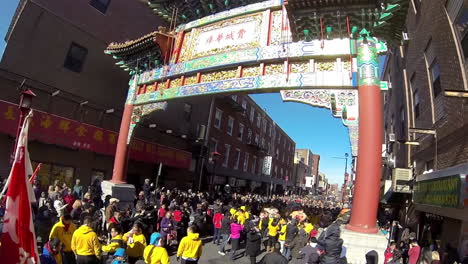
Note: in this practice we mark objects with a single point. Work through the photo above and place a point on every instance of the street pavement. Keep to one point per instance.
(210, 254)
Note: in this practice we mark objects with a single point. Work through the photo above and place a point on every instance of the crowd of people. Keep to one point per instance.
(75, 225)
(404, 248)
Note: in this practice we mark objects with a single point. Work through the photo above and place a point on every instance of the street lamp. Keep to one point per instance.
(25, 106)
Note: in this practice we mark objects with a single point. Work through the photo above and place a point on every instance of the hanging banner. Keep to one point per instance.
(266, 169)
(52, 129)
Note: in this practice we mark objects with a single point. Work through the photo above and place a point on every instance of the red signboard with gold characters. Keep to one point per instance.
(61, 131)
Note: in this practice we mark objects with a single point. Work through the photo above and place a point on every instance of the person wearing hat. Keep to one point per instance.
(120, 257)
(155, 253)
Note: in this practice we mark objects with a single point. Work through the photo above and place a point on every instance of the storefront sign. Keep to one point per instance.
(266, 169)
(443, 192)
(51, 129)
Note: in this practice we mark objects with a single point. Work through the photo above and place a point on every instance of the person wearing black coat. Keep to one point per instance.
(274, 257)
(291, 233)
(332, 243)
(310, 253)
(225, 232)
(297, 244)
(252, 248)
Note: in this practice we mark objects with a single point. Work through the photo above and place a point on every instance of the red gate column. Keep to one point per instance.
(120, 161)
(369, 160)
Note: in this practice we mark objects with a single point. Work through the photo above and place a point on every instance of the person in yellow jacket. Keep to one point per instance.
(85, 244)
(63, 230)
(308, 227)
(273, 228)
(154, 253)
(136, 243)
(246, 213)
(190, 247)
(240, 214)
(282, 234)
(233, 211)
(115, 242)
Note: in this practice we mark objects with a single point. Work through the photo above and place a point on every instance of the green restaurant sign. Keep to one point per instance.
(442, 192)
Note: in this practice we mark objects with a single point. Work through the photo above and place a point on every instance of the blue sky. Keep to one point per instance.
(313, 128)
(7, 10)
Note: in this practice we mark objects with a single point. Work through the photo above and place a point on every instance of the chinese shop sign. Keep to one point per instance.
(51, 129)
(443, 192)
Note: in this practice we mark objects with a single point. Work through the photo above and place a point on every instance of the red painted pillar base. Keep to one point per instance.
(120, 161)
(369, 160)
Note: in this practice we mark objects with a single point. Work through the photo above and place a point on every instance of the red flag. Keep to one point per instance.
(33, 177)
(18, 237)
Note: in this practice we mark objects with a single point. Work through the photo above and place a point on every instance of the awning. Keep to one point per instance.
(391, 197)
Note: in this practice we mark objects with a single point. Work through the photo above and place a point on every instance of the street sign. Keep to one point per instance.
(266, 169)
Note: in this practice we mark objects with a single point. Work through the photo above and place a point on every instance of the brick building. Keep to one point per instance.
(426, 118)
(243, 134)
(312, 161)
(76, 83)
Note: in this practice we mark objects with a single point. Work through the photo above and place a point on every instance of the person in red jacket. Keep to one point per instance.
(414, 252)
(389, 252)
(217, 219)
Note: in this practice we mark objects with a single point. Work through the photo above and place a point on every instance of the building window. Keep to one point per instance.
(100, 5)
(240, 134)
(258, 120)
(76, 57)
(227, 149)
(256, 139)
(277, 154)
(51, 172)
(187, 112)
(416, 103)
(244, 105)
(237, 158)
(435, 73)
(230, 125)
(213, 145)
(218, 118)
(249, 136)
(246, 161)
(403, 121)
(252, 114)
(234, 97)
(263, 142)
(276, 171)
(254, 164)
(281, 173)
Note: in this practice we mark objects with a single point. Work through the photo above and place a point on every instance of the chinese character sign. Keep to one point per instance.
(56, 130)
(232, 35)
